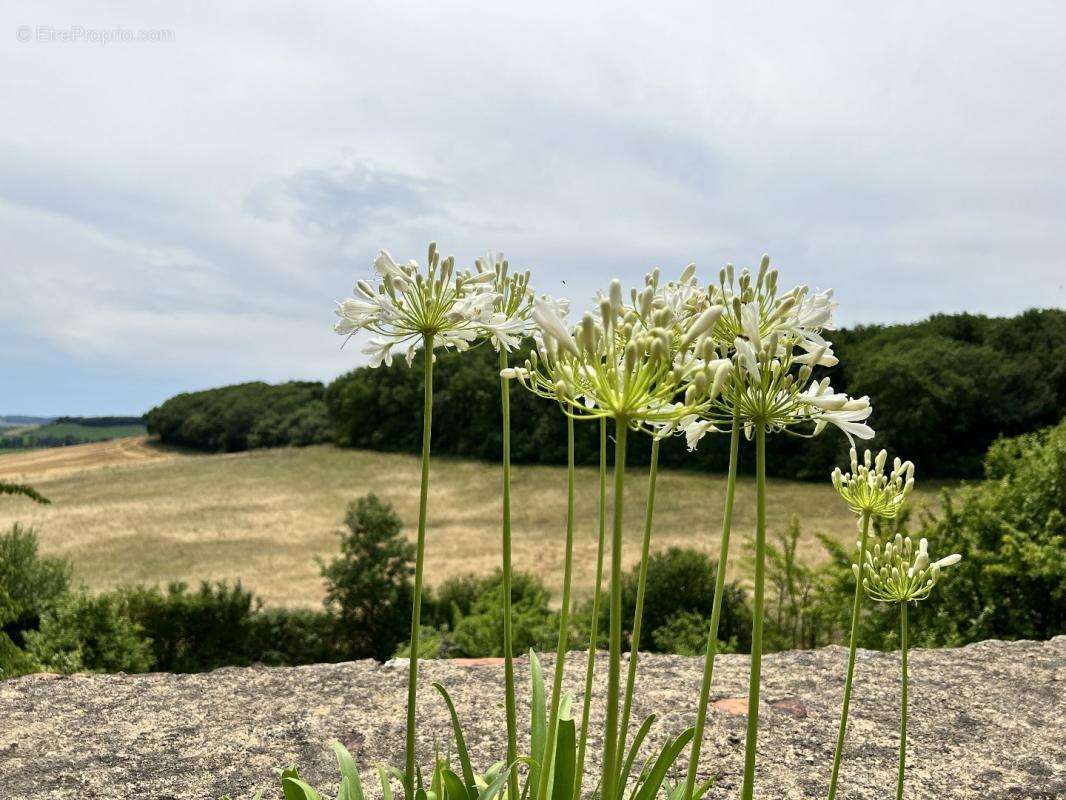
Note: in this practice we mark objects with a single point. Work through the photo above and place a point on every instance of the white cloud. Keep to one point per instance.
(204, 201)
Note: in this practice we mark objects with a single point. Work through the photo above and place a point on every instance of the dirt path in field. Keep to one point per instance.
(55, 461)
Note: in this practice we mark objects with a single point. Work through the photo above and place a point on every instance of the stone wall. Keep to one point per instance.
(988, 722)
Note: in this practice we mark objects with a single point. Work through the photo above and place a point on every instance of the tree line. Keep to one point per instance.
(943, 390)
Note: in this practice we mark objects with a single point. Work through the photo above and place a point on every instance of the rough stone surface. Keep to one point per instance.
(987, 723)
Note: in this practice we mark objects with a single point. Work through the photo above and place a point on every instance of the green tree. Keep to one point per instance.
(368, 586)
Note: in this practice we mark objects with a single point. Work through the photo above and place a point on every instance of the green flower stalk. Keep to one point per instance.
(899, 573)
(564, 615)
(869, 493)
(716, 615)
(424, 309)
(638, 608)
(513, 302)
(594, 625)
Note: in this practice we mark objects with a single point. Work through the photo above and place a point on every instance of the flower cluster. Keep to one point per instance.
(449, 307)
(867, 490)
(899, 573)
(775, 342)
(628, 361)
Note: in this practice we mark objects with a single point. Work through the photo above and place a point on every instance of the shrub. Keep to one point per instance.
(1011, 527)
(292, 636)
(685, 634)
(30, 584)
(368, 587)
(86, 633)
(681, 580)
(478, 631)
(193, 631)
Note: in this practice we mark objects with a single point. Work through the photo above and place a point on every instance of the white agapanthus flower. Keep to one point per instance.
(409, 306)
(868, 490)
(775, 342)
(899, 572)
(633, 362)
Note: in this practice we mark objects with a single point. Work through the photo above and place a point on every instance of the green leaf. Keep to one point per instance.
(350, 770)
(705, 787)
(296, 789)
(345, 792)
(565, 761)
(454, 789)
(638, 740)
(460, 741)
(386, 787)
(666, 759)
(495, 787)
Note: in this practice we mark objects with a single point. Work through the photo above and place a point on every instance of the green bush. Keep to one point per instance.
(30, 584)
(193, 631)
(681, 581)
(292, 636)
(368, 587)
(86, 633)
(685, 634)
(1011, 530)
(478, 631)
(243, 416)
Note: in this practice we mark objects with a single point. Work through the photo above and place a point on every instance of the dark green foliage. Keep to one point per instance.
(246, 415)
(942, 390)
(1011, 532)
(469, 623)
(100, 422)
(193, 631)
(681, 582)
(292, 636)
(368, 586)
(685, 634)
(1011, 583)
(83, 633)
(30, 584)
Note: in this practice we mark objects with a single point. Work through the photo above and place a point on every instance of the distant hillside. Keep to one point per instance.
(19, 420)
(65, 431)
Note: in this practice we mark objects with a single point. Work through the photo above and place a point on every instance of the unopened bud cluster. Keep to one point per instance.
(899, 572)
(868, 490)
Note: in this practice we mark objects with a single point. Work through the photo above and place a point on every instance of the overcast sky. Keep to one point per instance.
(183, 214)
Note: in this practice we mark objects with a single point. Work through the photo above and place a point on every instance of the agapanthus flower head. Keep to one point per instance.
(868, 490)
(899, 572)
(634, 362)
(509, 321)
(408, 304)
(775, 342)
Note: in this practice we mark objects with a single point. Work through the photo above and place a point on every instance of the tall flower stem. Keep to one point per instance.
(508, 655)
(716, 613)
(903, 701)
(594, 625)
(855, 606)
(564, 615)
(638, 610)
(610, 736)
(747, 791)
(420, 553)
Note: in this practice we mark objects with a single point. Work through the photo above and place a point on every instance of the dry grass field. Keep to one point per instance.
(128, 511)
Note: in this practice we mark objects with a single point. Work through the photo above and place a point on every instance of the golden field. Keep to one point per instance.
(129, 511)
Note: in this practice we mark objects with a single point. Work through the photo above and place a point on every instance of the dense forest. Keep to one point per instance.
(943, 390)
